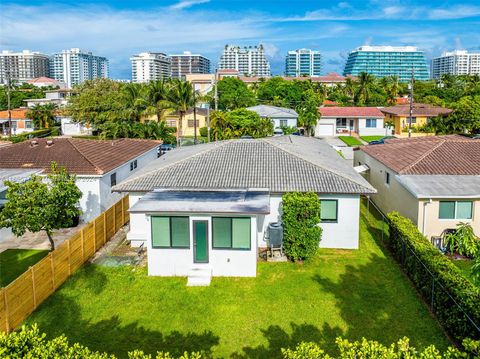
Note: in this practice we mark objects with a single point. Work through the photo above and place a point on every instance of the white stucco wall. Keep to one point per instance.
(179, 262)
(326, 121)
(291, 122)
(139, 225)
(363, 130)
(342, 234)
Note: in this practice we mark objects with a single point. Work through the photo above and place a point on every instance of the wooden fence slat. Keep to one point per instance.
(30, 289)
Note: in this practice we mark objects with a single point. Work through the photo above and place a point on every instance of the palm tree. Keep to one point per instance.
(393, 89)
(366, 82)
(134, 103)
(218, 123)
(182, 98)
(350, 88)
(156, 97)
(43, 116)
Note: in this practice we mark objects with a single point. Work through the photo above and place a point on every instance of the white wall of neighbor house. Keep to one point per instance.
(432, 225)
(326, 127)
(223, 262)
(279, 122)
(343, 233)
(390, 196)
(139, 226)
(378, 130)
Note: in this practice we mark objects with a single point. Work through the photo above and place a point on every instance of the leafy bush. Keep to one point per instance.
(53, 131)
(204, 131)
(301, 216)
(463, 241)
(409, 246)
(371, 349)
(476, 271)
(288, 130)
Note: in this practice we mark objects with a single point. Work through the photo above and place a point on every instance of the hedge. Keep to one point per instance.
(29, 342)
(438, 280)
(54, 131)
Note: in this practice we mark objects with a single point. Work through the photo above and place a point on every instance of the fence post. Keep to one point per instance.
(7, 322)
(104, 227)
(69, 259)
(94, 237)
(114, 219)
(123, 212)
(33, 289)
(53, 270)
(83, 245)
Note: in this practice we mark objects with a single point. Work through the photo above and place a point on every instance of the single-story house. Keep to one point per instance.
(20, 122)
(434, 181)
(98, 165)
(421, 114)
(208, 207)
(364, 121)
(280, 116)
(46, 82)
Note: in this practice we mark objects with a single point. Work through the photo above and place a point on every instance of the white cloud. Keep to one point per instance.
(185, 4)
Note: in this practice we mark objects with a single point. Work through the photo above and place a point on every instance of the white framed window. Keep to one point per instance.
(371, 123)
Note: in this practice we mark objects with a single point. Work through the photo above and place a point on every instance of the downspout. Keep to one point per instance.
(424, 215)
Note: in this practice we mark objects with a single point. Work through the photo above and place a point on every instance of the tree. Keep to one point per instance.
(134, 105)
(96, 102)
(156, 97)
(308, 112)
(366, 82)
(182, 98)
(466, 115)
(43, 116)
(41, 204)
(19, 93)
(233, 93)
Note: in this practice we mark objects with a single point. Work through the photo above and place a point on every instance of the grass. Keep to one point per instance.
(368, 139)
(14, 262)
(350, 140)
(465, 266)
(346, 293)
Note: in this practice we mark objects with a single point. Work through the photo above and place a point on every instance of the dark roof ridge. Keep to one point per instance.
(97, 169)
(423, 156)
(310, 162)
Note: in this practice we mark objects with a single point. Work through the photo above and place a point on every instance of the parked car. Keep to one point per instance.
(381, 141)
(164, 148)
(278, 132)
(476, 137)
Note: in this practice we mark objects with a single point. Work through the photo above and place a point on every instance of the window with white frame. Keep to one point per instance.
(455, 210)
(371, 123)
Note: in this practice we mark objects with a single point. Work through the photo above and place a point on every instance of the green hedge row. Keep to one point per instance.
(445, 288)
(54, 131)
(28, 342)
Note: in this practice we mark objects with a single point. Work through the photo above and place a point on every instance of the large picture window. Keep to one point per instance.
(328, 210)
(371, 122)
(455, 210)
(231, 233)
(170, 232)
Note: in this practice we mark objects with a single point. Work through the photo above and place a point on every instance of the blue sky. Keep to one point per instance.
(119, 29)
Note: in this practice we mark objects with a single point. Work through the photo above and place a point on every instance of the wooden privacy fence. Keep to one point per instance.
(29, 290)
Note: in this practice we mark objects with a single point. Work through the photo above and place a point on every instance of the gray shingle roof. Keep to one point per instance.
(280, 164)
(273, 111)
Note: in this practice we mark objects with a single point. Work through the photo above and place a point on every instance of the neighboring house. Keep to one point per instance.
(280, 116)
(364, 121)
(98, 165)
(421, 115)
(46, 82)
(209, 206)
(188, 122)
(12, 175)
(434, 181)
(20, 122)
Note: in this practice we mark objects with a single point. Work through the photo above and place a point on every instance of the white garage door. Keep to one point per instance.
(324, 129)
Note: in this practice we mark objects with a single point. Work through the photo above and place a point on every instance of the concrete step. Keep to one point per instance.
(199, 276)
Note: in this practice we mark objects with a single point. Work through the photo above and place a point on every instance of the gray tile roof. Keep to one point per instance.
(273, 111)
(280, 164)
(441, 186)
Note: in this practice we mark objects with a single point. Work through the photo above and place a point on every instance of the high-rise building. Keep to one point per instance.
(248, 60)
(75, 66)
(188, 63)
(150, 66)
(382, 61)
(458, 62)
(22, 66)
(303, 62)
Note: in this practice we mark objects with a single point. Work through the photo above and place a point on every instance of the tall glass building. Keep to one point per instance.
(382, 61)
(303, 62)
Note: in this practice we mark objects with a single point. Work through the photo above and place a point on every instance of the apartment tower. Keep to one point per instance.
(22, 66)
(248, 61)
(458, 62)
(303, 62)
(150, 66)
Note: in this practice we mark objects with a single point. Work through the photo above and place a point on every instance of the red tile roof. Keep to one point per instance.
(43, 80)
(16, 113)
(419, 109)
(431, 155)
(83, 157)
(335, 111)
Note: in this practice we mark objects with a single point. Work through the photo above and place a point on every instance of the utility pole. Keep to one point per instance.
(411, 105)
(208, 122)
(216, 91)
(9, 109)
(194, 118)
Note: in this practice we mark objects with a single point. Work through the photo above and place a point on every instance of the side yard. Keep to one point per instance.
(14, 262)
(353, 294)
(351, 141)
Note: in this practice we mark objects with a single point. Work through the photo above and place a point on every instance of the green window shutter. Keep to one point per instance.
(447, 210)
(222, 232)
(160, 232)
(241, 233)
(180, 232)
(464, 209)
(328, 210)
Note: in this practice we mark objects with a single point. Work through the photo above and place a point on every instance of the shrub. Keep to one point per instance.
(53, 131)
(301, 216)
(463, 241)
(410, 247)
(371, 349)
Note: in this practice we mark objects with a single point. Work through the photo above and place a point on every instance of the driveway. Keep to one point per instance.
(339, 145)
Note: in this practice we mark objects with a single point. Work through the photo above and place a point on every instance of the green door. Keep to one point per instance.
(200, 241)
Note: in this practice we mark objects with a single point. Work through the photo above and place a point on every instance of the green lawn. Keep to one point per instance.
(351, 141)
(14, 262)
(346, 293)
(368, 139)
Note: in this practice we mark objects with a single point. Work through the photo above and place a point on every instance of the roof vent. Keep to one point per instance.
(33, 143)
(49, 143)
